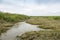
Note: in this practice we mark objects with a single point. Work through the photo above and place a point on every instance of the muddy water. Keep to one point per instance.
(18, 29)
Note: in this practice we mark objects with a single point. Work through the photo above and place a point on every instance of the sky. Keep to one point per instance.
(31, 7)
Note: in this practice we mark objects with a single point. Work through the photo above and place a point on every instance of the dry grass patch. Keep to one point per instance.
(46, 22)
(40, 35)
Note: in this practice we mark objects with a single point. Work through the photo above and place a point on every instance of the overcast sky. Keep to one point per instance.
(31, 7)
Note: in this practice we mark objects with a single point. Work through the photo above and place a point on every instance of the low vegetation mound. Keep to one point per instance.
(40, 35)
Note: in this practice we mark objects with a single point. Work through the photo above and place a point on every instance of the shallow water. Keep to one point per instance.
(19, 29)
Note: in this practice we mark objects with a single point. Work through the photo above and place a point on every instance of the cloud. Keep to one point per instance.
(21, 7)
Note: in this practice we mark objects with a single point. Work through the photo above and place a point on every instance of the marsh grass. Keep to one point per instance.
(8, 17)
(45, 22)
(51, 24)
(7, 20)
(40, 35)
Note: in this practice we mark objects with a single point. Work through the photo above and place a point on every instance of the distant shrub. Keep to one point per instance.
(57, 18)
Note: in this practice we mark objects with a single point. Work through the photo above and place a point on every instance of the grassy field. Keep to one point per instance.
(7, 20)
(45, 22)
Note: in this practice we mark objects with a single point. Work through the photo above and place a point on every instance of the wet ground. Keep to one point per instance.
(19, 29)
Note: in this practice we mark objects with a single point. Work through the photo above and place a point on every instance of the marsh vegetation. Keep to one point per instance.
(40, 35)
(45, 22)
(7, 20)
(50, 24)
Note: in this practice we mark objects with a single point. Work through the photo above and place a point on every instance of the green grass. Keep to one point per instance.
(12, 17)
(7, 20)
(40, 35)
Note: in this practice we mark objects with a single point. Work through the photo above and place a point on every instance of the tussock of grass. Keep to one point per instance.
(5, 26)
(40, 35)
